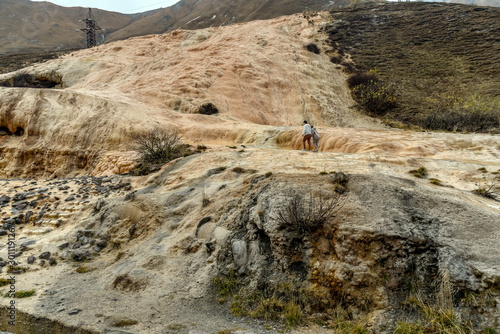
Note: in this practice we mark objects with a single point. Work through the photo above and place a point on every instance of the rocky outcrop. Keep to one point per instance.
(388, 237)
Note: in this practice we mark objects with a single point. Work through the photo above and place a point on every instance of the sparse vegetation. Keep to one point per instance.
(4, 282)
(226, 285)
(433, 313)
(82, 269)
(489, 189)
(201, 148)
(283, 304)
(124, 282)
(157, 147)
(440, 82)
(205, 201)
(16, 269)
(20, 294)
(308, 210)
(436, 182)
(176, 327)
(339, 181)
(421, 172)
(372, 94)
(311, 47)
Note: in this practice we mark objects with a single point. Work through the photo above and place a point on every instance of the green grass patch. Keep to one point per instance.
(20, 294)
(420, 172)
(436, 182)
(4, 282)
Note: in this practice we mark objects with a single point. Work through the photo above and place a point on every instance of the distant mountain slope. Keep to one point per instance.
(27, 27)
(195, 14)
(30, 27)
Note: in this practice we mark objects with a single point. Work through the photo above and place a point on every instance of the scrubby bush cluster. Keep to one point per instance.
(454, 113)
(309, 210)
(158, 146)
(372, 94)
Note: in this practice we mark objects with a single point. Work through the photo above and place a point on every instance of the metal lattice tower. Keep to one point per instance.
(90, 29)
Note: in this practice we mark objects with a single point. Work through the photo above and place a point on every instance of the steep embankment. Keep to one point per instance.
(258, 73)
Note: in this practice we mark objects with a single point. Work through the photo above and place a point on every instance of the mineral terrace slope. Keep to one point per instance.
(152, 244)
(169, 242)
(257, 73)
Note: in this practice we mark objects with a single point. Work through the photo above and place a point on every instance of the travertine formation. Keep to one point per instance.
(137, 254)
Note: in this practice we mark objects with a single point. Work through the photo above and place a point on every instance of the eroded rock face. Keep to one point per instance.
(389, 237)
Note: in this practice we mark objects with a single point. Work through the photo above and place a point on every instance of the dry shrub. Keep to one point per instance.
(124, 282)
(311, 47)
(308, 210)
(158, 145)
(375, 97)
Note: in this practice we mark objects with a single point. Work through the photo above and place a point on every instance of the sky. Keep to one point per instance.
(121, 6)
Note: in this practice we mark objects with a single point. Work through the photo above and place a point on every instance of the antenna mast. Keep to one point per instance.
(91, 27)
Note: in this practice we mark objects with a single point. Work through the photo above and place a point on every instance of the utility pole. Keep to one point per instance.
(91, 27)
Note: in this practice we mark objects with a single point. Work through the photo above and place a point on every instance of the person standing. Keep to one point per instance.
(315, 137)
(306, 136)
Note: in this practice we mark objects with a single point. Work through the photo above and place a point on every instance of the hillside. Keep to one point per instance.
(30, 27)
(211, 242)
(196, 14)
(441, 61)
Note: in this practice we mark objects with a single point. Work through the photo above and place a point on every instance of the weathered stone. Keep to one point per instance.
(4, 199)
(19, 197)
(81, 255)
(31, 259)
(44, 255)
(28, 216)
(63, 245)
(3, 232)
(102, 243)
(74, 311)
(26, 245)
(20, 206)
(70, 198)
(240, 252)
(52, 261)
(130, 196)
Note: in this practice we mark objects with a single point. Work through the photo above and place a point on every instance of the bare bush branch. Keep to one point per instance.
(308, 210)
(158, 145)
